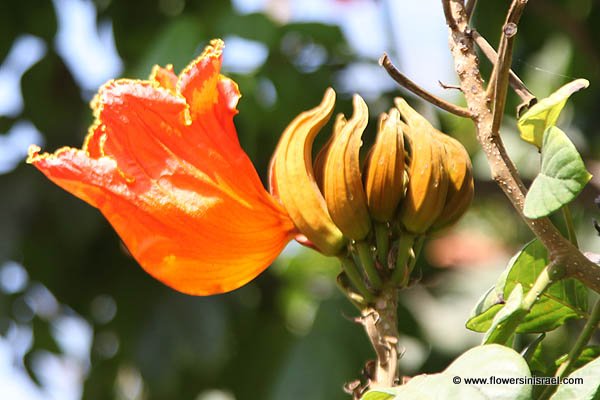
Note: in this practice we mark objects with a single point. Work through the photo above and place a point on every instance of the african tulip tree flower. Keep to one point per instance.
(163, 163)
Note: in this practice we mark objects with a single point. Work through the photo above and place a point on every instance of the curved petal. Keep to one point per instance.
(292, 178)
(342, 180)
(164, 77)
(187, 203)
(384, 181)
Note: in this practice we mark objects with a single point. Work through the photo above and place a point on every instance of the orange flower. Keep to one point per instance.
(163, 163)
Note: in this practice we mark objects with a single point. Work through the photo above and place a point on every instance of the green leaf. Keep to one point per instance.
(489, 304)
(529, 352)
(541, 362)
(588, 354)
(505, 322)
(492, 359)
(562, 176)
(588, 390)
(479, 362)
(563, 300)
(545, 113)
(377, 395)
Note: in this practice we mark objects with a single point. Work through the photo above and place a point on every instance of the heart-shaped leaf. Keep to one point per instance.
(562, 176)
(545, 113)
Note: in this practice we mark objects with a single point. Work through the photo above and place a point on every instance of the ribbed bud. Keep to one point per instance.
(342, 179)
(321, 158)
(460, 182)
(428, 181)
(384, 182)
(293, 182)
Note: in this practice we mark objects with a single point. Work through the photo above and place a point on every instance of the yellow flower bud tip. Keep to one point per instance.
(342, 183)
(428, 181)
(460, 177)
(384, 182)
(293, 180)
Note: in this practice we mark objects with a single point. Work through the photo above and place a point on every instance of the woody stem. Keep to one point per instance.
(381, 324)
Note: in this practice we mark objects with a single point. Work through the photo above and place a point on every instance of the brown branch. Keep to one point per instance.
(449, 17)
(406, 83)
(499, 79)
(528, 99)
(560, 250)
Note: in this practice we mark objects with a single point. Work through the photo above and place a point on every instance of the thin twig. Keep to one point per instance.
(406, 83)
(570, 225)
(499, 80)
(584, 337)
(446, 86)
(470, 8)
(448, 13)
(503, 171)
(515, 82)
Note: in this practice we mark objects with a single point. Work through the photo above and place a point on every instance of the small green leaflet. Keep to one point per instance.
(545, 113)
(562, 176)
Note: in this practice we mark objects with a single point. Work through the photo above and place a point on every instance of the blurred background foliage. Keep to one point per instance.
(79, 318)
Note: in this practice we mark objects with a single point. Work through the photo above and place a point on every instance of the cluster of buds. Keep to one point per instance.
(373, 215)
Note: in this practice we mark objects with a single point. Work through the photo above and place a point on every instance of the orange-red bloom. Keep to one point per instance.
(164, 165)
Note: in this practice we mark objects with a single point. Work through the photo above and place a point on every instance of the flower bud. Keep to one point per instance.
(321, 158)
(460, 178)
(384, 182)
(292, 178)
(342, 179)
(428, 181)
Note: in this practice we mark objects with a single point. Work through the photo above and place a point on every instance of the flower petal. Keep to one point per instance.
(190, 208)
(212, 98)
(164, 77)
